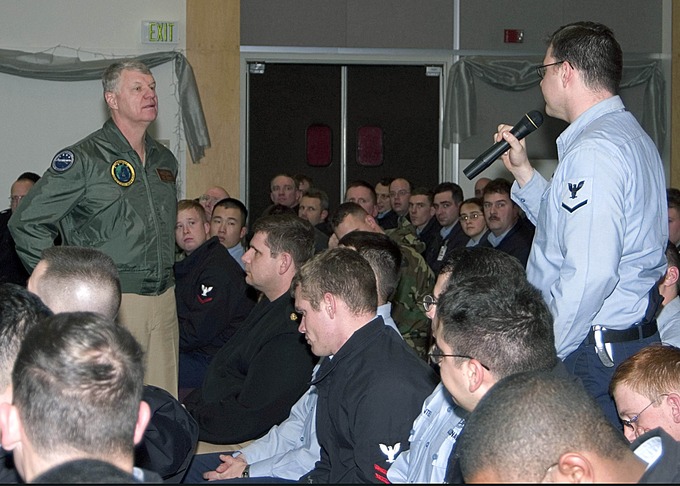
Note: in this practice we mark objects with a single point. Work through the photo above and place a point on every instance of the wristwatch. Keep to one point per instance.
(246, 472)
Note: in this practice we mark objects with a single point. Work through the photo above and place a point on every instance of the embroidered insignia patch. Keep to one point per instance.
(123, 172)
(576, 193)
(63, 161)
(390, 451)
(203, 298)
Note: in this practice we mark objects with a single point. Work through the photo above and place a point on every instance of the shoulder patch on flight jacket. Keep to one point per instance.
(165, 175)
(63, 161)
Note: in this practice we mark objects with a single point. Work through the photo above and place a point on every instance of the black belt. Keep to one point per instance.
(634, 333)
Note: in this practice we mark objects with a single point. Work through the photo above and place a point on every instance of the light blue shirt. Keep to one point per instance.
(291, 449)
(601, 224)
(432, 438)
(237, 252)
(668, 321)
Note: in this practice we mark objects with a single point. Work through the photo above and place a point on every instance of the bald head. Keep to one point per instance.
(73, 279)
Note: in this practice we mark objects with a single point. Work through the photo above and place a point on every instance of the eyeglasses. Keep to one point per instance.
(436, 356)
(429, 302)
(540, 70)
(206, 198)
(472, 216)
(634, 419)
(401, 193)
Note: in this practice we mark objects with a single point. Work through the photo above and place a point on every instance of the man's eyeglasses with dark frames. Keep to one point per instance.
(540, 70)
(436, 356)
(632, 422)
(429, 302)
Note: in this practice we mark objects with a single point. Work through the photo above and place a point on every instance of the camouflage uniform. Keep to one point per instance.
(416, 281)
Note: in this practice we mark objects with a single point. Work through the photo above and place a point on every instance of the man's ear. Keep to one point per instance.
(286, 261)
(324, 214)
(371, 222)
(573, 467)
(673, 400)
(329, 304)
(10, 425)
(143, 417)
(206, 227)
(475, 374)
(243, 233)
(111, 100)
(672, 275)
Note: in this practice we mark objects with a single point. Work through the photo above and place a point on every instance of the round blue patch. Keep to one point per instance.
(63, 161)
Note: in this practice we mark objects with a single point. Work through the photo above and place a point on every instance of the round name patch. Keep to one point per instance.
(63, 161)
(123, 172)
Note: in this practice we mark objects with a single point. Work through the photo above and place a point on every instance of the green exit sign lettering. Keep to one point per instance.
(159, 32)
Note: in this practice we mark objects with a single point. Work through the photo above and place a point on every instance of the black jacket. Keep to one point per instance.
(254, 380)
(369, 395)
(212, 298)
(666, 469)
(517, 242)
(440, 248)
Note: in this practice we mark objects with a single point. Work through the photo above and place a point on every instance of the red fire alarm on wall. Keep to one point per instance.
(513, 36)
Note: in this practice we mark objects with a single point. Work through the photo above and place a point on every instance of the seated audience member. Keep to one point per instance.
(362, 193)
(474, 348)
(415, 282)
(646, 389)
(291, 449)
(371, 389)
(254, 379)
(508, 232)
(673, 197)
(314, 208)
(284, 191)
(436, 429)
(11, 268)
(447, 198)
(228, 223)
(473, 222)
(210, 197)
(211, 294)
(480, 185)
(421, 212)
(400, 191)
(20, 311)
(538, 427)
(72, 279)
(386, 218)
(668, 318)
(77, 409)
(304, 183)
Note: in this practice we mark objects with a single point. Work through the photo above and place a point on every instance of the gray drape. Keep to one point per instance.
(49, 67)
(513, 74)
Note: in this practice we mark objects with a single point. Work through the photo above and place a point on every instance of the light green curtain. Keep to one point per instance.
(49, 67)
(513, 74)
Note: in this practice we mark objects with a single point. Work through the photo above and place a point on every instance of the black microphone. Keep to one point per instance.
(529, 122)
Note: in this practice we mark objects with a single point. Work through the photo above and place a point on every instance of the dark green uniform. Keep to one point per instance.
(98, 194)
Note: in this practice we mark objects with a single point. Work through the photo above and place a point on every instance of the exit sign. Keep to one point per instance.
(159, 32)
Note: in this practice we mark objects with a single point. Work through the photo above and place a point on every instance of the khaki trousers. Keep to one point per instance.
(152, 320)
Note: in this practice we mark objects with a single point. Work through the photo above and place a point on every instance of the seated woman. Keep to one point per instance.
(471, 217)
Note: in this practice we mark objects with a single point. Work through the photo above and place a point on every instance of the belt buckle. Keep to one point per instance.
(600, 349)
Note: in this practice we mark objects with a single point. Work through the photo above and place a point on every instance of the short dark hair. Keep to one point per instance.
(78, 383)
(385, 181)
(455, 189)
(591, 48)
(508, 328)
(476, 201)
(231, 202)
(344, 210)
(67, 266)
(475, 262)
(20, 311)
(298, 178)
(29, 176)
(361, 183)
(673, 197)
(341, 272)
(423, 191)
(382, 253)
(316, 193)
(498, 186)
(526, 421)
(287, 233)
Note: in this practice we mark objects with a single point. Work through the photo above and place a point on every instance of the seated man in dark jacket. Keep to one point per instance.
(256, 377)
(509, 232)
(373, 387)
(211, 294)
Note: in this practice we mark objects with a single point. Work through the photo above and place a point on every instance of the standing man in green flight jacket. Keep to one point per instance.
(115, 191)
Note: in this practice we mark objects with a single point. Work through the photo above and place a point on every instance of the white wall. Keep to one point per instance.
(41, 117)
